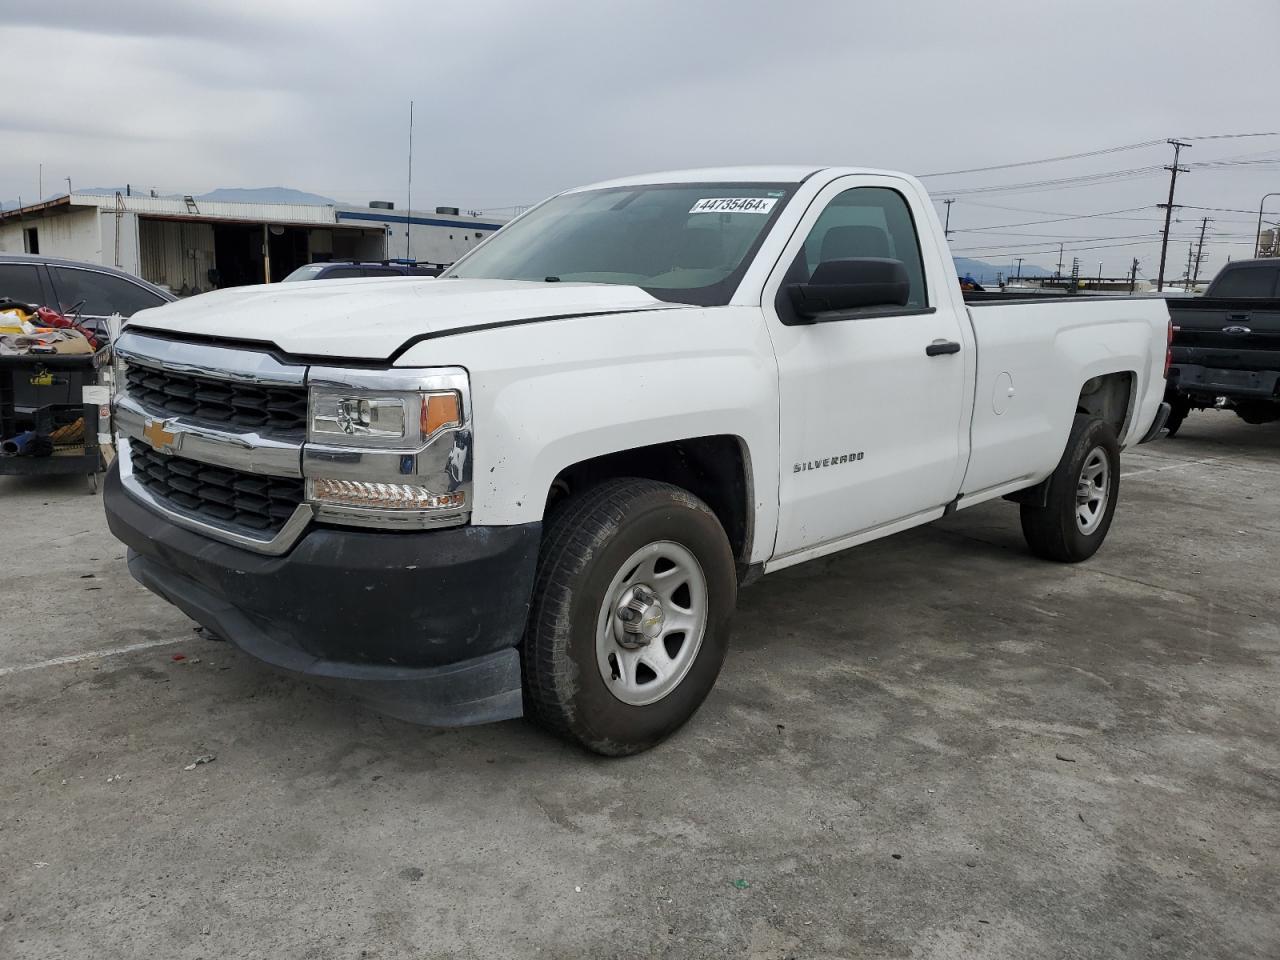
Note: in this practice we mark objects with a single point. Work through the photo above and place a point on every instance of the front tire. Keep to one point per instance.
(629, 622)
(1081, 496)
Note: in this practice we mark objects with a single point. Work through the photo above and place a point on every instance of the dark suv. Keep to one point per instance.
(347, 269)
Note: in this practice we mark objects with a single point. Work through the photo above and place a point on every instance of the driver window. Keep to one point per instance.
(865, 222)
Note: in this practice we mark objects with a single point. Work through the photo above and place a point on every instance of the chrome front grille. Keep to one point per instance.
(276, 409)
(252, 501)
(212, 437)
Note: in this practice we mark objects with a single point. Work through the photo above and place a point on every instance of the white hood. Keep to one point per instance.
(371, 319)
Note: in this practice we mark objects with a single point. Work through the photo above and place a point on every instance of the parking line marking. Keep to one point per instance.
(91, 655)
(1179, 465)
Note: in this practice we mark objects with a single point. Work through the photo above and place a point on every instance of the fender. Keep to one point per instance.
(551, 395)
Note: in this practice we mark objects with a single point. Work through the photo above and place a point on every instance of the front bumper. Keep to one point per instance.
(421, 625)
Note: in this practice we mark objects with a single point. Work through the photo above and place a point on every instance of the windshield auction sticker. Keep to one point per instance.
(734, 205)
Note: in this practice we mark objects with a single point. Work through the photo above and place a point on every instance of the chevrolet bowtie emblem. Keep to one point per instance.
(166, 441)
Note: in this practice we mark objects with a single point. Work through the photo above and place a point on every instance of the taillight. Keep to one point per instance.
(1168, 350)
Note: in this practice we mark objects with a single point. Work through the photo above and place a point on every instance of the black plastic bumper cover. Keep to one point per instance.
(421, 626)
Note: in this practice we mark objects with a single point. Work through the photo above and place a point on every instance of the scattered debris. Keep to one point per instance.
(115, 779)
(88, 576)
(577, 889)
(970, 863)
(412, 874)
(179, 656)
(665, 900)
(39, 864)
(781, 726)
(897, 856)
(1064, 758)
(741, 884)
(984, 921)
(198, 761)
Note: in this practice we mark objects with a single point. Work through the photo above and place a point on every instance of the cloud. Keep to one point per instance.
(515, 100)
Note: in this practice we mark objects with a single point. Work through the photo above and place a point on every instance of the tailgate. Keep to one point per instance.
(1230, 334)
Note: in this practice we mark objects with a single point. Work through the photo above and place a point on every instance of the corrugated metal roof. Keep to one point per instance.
(218, 209)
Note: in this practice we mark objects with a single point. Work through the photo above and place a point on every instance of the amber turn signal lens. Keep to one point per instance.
(440, 410)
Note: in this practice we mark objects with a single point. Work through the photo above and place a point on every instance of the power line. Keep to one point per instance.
(1037, 186)
(1105, 215)
(1233, 136)
(1031, 163)
(1091, 153)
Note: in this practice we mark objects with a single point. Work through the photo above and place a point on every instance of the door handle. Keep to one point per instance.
(941, 347)
(1236, 317)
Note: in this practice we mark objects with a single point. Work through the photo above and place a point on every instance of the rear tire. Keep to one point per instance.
(1178, 410)
(629, 623)
(1081, 496)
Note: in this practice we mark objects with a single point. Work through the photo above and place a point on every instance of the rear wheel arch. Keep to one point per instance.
(1110, 397)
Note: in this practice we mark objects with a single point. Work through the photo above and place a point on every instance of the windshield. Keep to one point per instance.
(684, 243)
(305, 273)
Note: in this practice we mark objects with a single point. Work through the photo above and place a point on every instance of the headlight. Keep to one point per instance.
(362, 419)
(389, 448)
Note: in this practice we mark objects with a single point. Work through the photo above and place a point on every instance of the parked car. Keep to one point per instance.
(69, 286)
(1226, 345)
(349, 269)
(536, 483)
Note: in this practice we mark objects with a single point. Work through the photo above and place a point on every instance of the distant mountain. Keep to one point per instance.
(228, 194)
(264, 195)
(985, 272)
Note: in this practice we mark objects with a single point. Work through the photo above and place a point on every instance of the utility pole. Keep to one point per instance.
(1019, 276)
(1133, 275)
(1200, 248)
(1168, 207)
(946, 227)
(1059, 273)
(1187, 276)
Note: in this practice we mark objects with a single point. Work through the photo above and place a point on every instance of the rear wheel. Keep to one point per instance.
(1256, 412)
(1179, 407)
(629, 621)
(1081, 497)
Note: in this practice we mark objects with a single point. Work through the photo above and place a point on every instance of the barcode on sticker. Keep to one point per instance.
(734, 205)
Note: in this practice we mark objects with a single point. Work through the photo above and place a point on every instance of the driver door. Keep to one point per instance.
(873, 401)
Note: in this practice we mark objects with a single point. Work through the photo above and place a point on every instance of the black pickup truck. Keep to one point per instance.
(1226, 345)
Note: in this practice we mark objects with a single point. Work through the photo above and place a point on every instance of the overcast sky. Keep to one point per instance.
(515, 100)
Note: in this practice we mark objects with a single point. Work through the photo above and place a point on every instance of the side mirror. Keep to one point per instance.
(849, 284)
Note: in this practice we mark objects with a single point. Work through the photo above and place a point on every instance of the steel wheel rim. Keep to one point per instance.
(644, 658)
(1093, 490)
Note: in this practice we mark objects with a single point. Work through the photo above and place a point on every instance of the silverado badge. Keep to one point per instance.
(162, 440)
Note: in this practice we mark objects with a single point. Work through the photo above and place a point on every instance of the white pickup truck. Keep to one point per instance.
(535, 484)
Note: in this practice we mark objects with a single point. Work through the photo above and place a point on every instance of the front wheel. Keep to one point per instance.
(630, 616)
(1081, 497)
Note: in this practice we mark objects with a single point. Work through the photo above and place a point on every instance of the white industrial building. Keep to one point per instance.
(192, 245)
